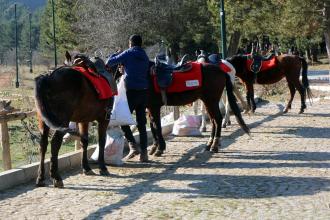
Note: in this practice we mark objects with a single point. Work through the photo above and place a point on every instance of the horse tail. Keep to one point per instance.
(234, 106)
(305, 79)
(42, 91)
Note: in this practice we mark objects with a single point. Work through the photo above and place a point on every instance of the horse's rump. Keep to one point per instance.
(56, 95)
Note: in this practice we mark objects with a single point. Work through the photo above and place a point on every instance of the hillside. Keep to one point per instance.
(32, 4)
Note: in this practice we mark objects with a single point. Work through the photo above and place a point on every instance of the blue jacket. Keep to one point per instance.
(136, 65)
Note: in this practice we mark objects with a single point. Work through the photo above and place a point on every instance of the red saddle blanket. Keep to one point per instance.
(100, 84)
(183, 81)
(265, 65)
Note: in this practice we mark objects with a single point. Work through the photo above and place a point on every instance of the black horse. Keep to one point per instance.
(62, 96)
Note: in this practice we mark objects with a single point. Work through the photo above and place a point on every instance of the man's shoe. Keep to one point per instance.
(131, 154)
(133, 151)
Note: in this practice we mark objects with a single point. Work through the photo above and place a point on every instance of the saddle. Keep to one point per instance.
(257, 62)
(164, 72)
(96, 67)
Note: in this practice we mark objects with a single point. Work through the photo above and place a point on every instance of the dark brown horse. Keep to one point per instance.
(213, 84)
(62, 96)
(287, 66)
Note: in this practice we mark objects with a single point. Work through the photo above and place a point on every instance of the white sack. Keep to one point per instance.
(121, 114)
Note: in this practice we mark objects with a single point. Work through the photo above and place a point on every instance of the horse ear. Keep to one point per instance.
(68, 56)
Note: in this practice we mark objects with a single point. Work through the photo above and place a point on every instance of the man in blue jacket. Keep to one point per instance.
(136, 66)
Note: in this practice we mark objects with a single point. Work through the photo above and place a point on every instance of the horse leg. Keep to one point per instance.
(154, 137)
(55, 147)
(250, 97)
(240, 98)
(292, 93)
(42, 151)
(215, 114)
(227, 114)
(155, 119)
(212, 108)
(248, 94)
(102, 132)
(83, 131)
(203, 125)
(210, 141)
(302, 92)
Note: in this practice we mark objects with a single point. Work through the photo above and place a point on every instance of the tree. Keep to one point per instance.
(65, 21)
(35, 34)
(182, 25)
(245, 19)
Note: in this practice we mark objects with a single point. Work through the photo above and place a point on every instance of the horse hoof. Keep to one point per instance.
(153, 149)
(215, 150)
(207, 148)
(104, 172)
(285, 111)
(202, 129)
(58, 183)
(89, 173)
(301, 111)
(40, 183)
(158, 153)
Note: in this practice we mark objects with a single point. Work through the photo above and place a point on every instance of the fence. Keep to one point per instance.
(4, 134)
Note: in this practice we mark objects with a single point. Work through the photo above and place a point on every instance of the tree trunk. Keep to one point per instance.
(233, 44)
(327, 29)
(327, 42)
(308, 54)
(314, 53)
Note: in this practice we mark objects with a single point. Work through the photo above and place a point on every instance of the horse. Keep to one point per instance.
(67, 95)
(286, 66)
(214, 58)
(214, 81)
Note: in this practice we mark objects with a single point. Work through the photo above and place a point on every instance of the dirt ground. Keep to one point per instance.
(280, 172)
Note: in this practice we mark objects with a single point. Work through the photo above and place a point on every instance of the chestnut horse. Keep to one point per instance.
(287, 66)
(213, 83)
(62, 96)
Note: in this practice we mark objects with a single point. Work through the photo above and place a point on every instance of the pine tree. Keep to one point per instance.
(65, 19)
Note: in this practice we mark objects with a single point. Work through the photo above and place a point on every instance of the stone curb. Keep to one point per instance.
(67, 161)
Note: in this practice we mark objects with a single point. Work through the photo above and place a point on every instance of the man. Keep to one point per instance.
(136, 66)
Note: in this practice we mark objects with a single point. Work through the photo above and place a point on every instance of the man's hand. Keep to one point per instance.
(108, 68)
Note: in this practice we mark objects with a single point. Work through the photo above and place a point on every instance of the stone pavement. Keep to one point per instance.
(281, 172)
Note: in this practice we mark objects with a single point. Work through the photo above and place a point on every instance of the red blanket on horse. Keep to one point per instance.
(265, 65)
(183, 81)
(100, 84)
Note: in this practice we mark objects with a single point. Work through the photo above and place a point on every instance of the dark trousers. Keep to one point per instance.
(137, 101)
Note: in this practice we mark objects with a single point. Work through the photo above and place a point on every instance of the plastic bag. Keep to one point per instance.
(114, 147)
(187, 125)
(167, 119)
(121, 114)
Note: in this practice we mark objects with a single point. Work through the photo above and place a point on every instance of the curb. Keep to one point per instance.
(26, 173)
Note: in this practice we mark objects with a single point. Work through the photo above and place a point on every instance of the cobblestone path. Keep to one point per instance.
(281, 172)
